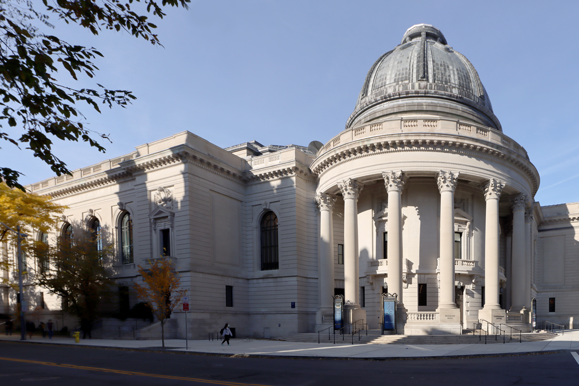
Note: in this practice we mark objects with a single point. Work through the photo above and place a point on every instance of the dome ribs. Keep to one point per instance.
(422, 66)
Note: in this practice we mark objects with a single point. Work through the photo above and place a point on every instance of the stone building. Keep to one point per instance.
(422, 195)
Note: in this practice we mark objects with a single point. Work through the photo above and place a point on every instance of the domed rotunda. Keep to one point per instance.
(428, 185)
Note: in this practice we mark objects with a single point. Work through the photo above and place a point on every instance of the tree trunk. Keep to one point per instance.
(163, 332)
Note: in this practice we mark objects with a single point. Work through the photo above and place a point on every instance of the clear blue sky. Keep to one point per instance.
(284, 72)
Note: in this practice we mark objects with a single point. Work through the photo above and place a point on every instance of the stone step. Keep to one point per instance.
(415, 339)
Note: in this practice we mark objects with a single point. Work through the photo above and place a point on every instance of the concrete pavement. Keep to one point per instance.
(272, 348)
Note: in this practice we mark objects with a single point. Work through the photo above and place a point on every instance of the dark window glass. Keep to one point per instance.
(422, 298)
(482, 296)
(341, 254)
(41, 300)
(551, 304)
(385, 251)
(228, 296)
(127, 238)
(165, 242)
(339, 291)
(269, 242)
(457, 245)
(362, 296)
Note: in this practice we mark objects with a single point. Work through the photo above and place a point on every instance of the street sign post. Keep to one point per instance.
(186, 310)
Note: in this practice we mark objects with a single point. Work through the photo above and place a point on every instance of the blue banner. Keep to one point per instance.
(389, 314)
(338, 314)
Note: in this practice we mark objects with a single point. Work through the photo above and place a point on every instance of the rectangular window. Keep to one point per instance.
(339, 291)
(551, 304)
(165, 238)
(362, 296)
(482, 296)
(385, 251)
(341, 254)
(41, 300)
(457, 245)
(228, 296)
(422, 298)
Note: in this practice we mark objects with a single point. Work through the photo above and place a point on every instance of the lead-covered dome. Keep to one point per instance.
(423, 74)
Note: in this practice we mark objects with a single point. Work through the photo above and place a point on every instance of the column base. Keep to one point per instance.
(354, 313)
(449, 321)
(495, 315)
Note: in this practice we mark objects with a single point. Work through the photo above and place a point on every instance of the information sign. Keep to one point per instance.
(338, 313)
(389, 314)
(185, 303)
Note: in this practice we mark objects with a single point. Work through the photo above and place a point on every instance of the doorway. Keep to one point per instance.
(459, 300)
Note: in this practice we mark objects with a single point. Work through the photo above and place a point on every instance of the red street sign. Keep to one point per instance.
(185, 306)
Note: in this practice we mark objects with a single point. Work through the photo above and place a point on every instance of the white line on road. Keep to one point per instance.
(576, 356)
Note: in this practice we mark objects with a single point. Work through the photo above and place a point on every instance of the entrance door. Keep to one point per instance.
(459, 300)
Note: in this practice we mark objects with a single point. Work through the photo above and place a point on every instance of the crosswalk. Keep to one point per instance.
(576, 356)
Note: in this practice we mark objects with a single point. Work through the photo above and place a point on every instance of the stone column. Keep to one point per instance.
(492, 191)
(326, 260)
(447, 185)
(350, 192)
(394, 182)
(519, 270)
(528, 255)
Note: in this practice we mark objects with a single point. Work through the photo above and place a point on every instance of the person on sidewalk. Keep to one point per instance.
(8, 326)
(42, 327)
(49, 328)
(226, 332)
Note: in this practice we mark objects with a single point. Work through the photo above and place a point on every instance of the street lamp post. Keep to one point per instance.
(20, 236)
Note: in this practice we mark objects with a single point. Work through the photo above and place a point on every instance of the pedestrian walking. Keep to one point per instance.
(43, 329)
(226, 332)
(49, 328)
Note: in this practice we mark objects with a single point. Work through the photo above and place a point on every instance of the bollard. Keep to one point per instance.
(76, 336)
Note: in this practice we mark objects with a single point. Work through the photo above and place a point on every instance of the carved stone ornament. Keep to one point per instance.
(529, 215)
(350, 188)
(121, 205)
(394, 180)
(493, 189)
(447, 181)
(163, 197)
(63, 218)
(325, 201)
(519, 202)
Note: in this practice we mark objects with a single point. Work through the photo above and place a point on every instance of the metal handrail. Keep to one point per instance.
(562, 327)
(501, 332)
(512, 328)
(329, 333)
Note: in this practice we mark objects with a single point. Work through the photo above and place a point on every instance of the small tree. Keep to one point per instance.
(161, 290)
(75, 270)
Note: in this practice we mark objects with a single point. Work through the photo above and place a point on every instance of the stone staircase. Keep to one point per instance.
(374, 337)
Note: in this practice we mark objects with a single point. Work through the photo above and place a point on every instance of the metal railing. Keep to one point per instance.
(496, 330)
(551, 327)
(511, 334)
(349, 328)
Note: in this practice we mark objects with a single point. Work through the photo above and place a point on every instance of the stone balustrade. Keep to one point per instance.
(427, 317)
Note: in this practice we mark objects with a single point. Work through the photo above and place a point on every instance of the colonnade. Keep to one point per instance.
(447, 182)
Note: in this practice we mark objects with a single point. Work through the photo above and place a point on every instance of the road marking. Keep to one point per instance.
(135, 373)
(576, 356)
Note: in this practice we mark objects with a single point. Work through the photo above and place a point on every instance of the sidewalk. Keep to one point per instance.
(270, 348)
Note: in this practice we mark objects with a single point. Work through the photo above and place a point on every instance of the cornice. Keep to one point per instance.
(295, 169)
(404, 143)
(561, 219)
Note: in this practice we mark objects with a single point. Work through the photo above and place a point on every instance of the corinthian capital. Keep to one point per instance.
(326, 201)
(394, 180)
(519, 202)
(493, 189)
(447, 181)
(529, 215)
(350, 188)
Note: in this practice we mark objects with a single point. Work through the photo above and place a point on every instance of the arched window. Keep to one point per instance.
(43, 260)
(95, 230)
(127, 238)
(269, 243)
(67, 233)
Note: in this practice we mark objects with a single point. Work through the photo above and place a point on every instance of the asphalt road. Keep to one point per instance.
(29, 364)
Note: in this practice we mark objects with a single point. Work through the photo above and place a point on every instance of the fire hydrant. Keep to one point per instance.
(76, 337)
